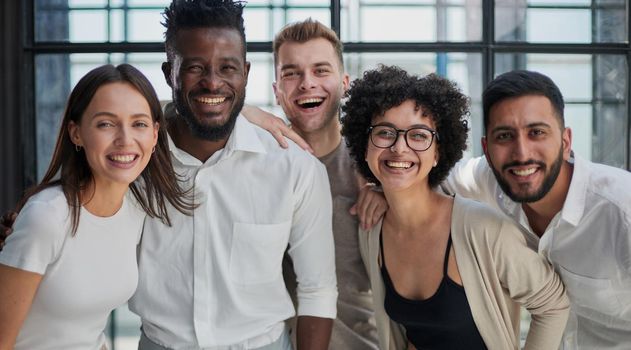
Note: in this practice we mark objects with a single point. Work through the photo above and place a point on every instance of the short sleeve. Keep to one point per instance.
(38, 235)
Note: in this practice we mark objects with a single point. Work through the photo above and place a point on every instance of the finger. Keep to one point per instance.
(353, 209)
(292, 135)
(280, 138)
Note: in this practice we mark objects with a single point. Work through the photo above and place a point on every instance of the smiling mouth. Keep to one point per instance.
(399, 164)
(211, 101)
(312, 102)
(124, 159)
(523, 172)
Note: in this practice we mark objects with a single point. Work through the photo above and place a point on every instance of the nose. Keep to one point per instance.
(399, 145)
(123, 136)
(307, 82)
(211, 80)
(521, 148)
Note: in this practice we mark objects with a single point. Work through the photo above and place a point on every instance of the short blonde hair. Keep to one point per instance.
(304, 31)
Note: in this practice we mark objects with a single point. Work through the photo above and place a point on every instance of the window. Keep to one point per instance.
(582, 44)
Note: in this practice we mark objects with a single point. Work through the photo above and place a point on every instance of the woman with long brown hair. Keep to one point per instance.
(71, 258)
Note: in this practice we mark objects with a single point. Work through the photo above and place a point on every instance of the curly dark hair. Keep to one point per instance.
(189, 14)
(387, 87)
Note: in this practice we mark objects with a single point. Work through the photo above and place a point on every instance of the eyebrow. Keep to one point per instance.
(110, 114)
(529, 126)
(413, 126)
(295, 66)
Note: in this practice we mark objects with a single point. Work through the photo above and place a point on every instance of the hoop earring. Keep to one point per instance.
(77, 148)
(153, 150)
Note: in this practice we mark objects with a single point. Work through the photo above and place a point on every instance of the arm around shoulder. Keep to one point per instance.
(532, 282)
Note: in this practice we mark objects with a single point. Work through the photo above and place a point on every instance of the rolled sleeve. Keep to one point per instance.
(311, 244)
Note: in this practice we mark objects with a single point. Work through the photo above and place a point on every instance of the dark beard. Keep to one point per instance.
(547, 184)
(205, 132)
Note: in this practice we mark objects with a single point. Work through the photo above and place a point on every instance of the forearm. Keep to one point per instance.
(313, 333)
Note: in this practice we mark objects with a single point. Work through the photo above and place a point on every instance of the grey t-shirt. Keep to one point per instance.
(355, 326)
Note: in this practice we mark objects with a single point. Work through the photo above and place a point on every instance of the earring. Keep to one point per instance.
(435, 163)
(153, 150)
(77, 148)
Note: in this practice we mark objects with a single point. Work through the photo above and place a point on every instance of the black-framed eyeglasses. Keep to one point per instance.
(419, 139)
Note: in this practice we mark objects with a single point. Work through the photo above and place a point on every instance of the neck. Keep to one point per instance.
(412, 208)
(325, 140)
(199, 148)
(541, 212)
(103, 199)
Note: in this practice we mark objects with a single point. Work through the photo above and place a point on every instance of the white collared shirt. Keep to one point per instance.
(588, 243)
(213, 280)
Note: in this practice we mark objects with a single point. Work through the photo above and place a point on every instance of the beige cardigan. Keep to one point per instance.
(499, 273)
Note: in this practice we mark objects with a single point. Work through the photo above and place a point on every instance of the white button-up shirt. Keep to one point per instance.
(588, 242)
(213, 280)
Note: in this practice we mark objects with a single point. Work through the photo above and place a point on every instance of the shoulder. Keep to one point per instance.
(293, 156)
(39, 232)
(474, 221)
(611, 184)
(46, 206)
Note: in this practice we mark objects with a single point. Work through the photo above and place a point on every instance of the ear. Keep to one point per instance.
(566, 139)
(275, 88)
(156, 128)
(166, 70)
(73, 132)
(485, 146)
(247, 71)
(346, 82)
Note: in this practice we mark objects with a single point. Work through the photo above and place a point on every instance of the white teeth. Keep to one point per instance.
(310, 100)
(402, 165)
(524, 172)
(123, 159)
(211, 101)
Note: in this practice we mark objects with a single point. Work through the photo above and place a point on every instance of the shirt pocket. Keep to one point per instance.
(257, 252)
(592, 298)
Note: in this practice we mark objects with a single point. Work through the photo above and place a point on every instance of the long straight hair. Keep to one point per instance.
(69, 167)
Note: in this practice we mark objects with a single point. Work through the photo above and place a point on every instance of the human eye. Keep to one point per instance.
(288, 74)
(322, 70)
(195, 68)
(503, 136)
(419, 135)
(102, 124)
(141, 124)
(537, 132)
(385, 133)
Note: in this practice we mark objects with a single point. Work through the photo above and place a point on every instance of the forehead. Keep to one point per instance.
(405, 115)
(521, 111)
(119, 98)
(203, 42)
(313, 51)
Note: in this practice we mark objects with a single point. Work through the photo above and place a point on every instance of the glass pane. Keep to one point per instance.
(561, 21)
(411, 21)
(594, 88)
(144, 25)
(464, 68)
(88, 26)
(124, 329)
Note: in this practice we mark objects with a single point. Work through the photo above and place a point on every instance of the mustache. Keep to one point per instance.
(528, 162)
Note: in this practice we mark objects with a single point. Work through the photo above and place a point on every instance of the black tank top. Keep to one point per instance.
(443, 321)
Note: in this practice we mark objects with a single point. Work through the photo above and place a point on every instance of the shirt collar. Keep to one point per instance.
(243, 138)
(575, 201)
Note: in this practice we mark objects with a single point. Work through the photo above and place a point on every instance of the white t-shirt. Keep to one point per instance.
(86, 276)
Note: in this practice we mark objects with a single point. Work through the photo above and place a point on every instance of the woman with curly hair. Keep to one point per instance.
(446, 272)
